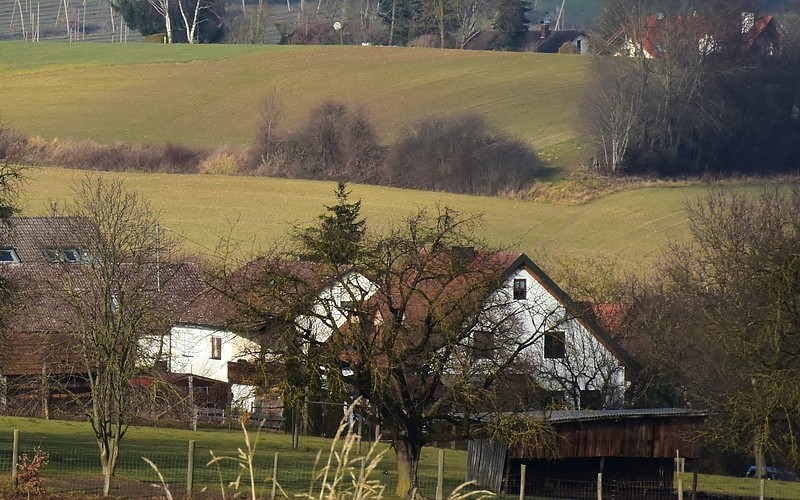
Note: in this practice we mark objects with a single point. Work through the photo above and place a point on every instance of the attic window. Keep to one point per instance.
(63, 254)
(555, 345)
(8, 256)
(520, 289)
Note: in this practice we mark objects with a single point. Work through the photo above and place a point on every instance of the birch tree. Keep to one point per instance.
(162, 7)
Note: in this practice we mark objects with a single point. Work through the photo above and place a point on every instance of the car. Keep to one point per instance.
(774, 474)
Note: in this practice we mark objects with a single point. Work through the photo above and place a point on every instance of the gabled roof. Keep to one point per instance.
(553, 41)
(658, 29)
(40, 328)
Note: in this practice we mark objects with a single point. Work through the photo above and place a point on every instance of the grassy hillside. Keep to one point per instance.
(212, 95)
(631, 226)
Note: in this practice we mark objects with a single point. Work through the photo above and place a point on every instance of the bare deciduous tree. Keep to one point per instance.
(162, 7)
(724, 312)
(114, 298)
(433, 339)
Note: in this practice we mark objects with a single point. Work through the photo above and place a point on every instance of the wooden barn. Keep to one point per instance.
(634, 450)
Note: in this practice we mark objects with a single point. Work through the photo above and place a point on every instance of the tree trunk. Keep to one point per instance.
(408, 454)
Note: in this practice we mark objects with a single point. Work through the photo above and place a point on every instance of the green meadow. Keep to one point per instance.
(73, 454)
(631, 226)
(215, 94)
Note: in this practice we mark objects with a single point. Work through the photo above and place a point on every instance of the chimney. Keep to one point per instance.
(545, 30)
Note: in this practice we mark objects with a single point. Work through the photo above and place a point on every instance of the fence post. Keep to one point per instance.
(360, 435)
(523, 472)
(680, 488)
(599, 486)
(14, 457)
(190, 469)
(274, 476)
(440, 476)
(761, 489)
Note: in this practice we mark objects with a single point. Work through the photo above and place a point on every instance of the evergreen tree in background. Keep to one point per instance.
(336, 239)
(511, 23)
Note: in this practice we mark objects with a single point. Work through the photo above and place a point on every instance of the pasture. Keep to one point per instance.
(73, 455)
(630, 226)
(213, 95)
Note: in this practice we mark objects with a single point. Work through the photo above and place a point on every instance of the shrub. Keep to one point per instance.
(29, 471)
(314, 32)
(334, 143)
(122, 156)
(460, 154)
(428, 40)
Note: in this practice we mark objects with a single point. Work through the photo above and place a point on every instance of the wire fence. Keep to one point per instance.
(78, 470)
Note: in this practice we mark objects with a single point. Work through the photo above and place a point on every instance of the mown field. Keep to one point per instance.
(214, 95)
(631, 226)
(74, 463)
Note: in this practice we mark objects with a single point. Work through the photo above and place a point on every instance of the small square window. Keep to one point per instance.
(520, 289)
(8, 256)
(216, 347)
(483, 345)
(555, 345)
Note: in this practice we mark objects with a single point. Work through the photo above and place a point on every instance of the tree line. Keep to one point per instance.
(689, 90)
(440, 23)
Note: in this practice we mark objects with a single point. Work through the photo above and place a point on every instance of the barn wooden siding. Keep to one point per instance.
(486, 463)
(646, 437)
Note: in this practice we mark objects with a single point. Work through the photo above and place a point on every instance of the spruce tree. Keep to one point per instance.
(337, 236)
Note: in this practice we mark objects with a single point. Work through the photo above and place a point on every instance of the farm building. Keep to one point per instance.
(633, 449)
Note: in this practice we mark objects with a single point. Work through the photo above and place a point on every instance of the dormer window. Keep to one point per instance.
(520, 289)
(8, 256)
(63, 254)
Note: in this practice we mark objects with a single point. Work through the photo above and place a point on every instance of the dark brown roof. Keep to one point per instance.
(41, 325)
(31, 236)
(553, 41)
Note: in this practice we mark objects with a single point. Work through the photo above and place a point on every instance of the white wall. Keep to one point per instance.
(587, 364)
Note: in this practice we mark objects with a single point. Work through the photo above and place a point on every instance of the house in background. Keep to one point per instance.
(551, 41)
(537, 40)
(758, 35)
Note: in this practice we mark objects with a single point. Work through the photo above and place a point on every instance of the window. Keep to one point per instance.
(555, 345)
(520, 289)
(483, 345)
(216, 347)
(63, 254)
(8, 256)
(591, 399)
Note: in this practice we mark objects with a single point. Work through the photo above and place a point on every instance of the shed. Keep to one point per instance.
(634, 449)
